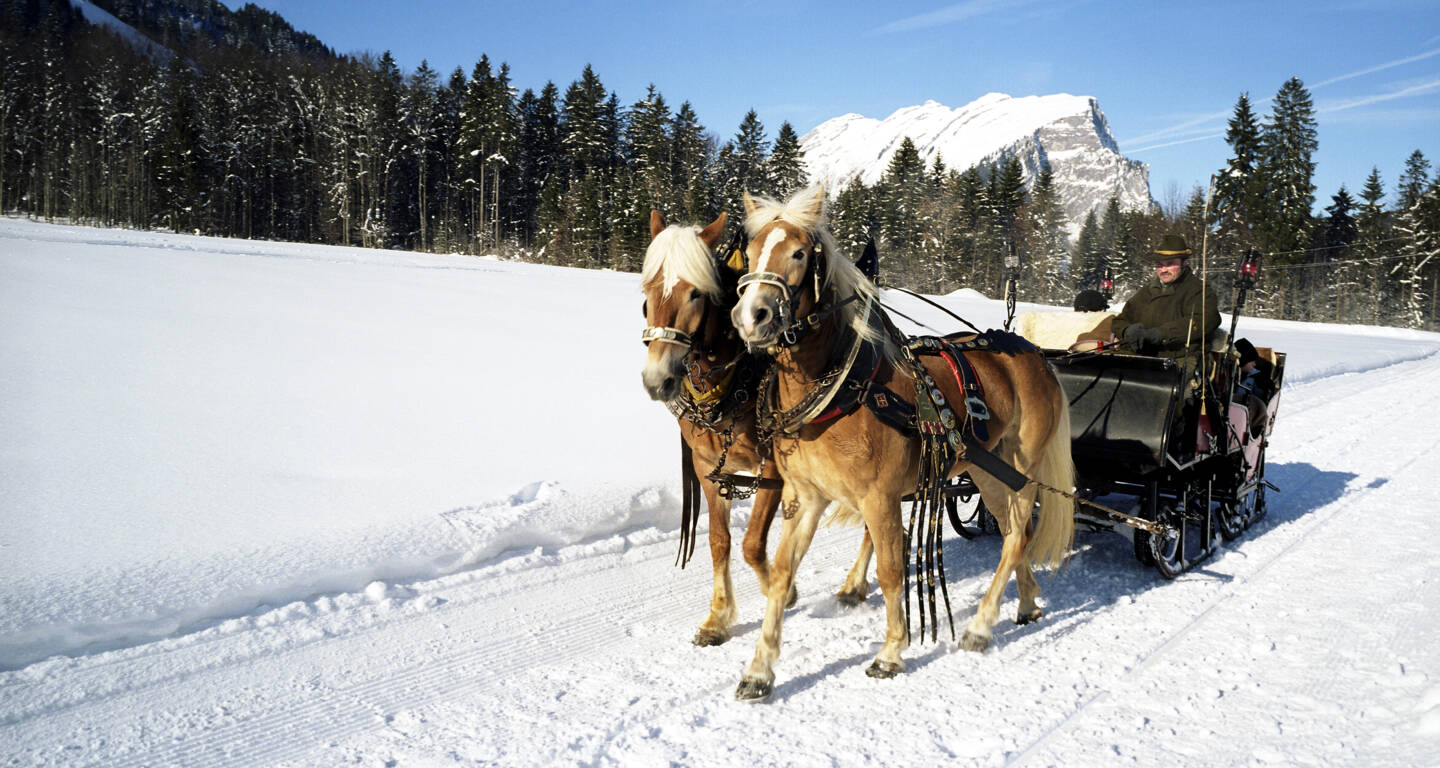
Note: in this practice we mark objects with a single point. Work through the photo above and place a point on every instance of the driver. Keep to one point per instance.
(1172, 315)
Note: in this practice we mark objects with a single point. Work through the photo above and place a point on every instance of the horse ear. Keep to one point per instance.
(711, 233)
(749, 205)
(657, 223)
(816, 201)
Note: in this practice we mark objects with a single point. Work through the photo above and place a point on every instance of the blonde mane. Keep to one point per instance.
(676, 254)
(806, 211)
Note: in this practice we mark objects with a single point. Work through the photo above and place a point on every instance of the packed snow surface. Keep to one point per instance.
(266, 503)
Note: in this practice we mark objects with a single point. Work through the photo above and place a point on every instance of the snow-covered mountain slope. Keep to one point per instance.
(274, 504)
(1069, 133)
(101, 17)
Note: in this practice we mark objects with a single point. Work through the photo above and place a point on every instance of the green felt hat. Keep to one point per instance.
(1172, 246)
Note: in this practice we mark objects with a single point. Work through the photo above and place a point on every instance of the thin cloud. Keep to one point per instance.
(1206, 137)
(1414, 90)
(1377, 68)
(1203, 122)
(952, 14)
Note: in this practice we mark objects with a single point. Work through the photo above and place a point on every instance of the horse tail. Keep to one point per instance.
(1055, 534)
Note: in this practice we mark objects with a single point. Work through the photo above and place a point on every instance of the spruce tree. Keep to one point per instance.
(647, 148)
(420, 112)
(1335, 247)
(1413, 180)
(786, 167)
(899, 194)
(538, 156)
(1239, 186)
(743, 167)
(1088, 260)
(1372, 224)
(1288, 143)
(1044, 277)
(690, 165)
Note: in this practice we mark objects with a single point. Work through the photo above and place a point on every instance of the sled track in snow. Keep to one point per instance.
(481, 651)
(289, 731)
(1231, 590)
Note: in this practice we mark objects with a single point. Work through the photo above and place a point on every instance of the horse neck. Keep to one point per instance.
(800, 365)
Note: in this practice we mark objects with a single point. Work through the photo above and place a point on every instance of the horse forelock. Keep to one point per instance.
(676, 254)
(799, 211)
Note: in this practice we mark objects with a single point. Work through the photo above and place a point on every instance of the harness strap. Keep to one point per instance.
(969, 382)
(667, 335)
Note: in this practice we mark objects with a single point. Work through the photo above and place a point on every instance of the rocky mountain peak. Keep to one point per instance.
(1067, 133)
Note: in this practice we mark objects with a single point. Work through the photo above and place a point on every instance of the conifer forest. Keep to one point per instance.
(233, 124)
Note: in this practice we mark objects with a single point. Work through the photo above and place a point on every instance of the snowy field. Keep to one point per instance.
(275, 504)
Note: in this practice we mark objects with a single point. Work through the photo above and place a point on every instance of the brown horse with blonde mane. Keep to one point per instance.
(696, 365)
(817, 315)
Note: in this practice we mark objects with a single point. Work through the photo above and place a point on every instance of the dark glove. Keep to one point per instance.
(1141, 336)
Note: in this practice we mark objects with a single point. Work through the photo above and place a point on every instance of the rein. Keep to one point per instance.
(937, 306)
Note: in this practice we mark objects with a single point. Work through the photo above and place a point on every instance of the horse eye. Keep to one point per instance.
(799, 254)
(694, 294)
(645, 308)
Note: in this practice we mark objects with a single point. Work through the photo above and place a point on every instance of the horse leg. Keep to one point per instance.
(1029, 589)
(796, 533)
(757, 533)
(855, 588)
(1014, 523)
(883, 528)
(715, 629)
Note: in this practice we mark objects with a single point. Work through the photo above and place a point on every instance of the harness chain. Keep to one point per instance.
(937, 455)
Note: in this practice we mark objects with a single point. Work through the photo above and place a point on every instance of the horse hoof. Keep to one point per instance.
(1025, 618)
(753, 690)
(884, 669)
(708, 637)
(973, 642)
(850, 597)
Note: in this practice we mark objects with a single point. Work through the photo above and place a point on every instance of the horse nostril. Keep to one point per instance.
(761, 315)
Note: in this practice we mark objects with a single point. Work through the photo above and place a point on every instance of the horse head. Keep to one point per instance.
(684, 286)
(784, 262)
(794, 268)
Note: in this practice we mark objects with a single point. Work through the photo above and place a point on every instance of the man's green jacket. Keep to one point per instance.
(1175, 311)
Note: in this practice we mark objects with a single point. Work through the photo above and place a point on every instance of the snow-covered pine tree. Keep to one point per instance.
(898, 197)
(538, 159)
(419, 113)
(1415, 227)
(1044, 277)
(647, 149)
(1287, 165)
(851, 219)
(1239, 186)
(1088, 259)
(742, 164)
(1373, 245)
(690, 165)
(1334, 247)
(786, 169)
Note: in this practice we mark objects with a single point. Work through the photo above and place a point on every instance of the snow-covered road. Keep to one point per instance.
(1310, 640)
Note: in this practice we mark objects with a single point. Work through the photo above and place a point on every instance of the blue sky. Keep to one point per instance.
(1167, 75)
